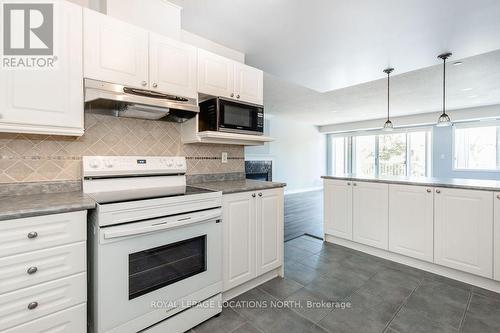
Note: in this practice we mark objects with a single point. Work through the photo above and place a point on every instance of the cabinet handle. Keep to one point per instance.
(429, 190)
(32, 305)
(144, 83)
(32, 270)
(348, 183)
(232, 95)
(33, 234)
(237, 96)
(498, 196)
(155, 85)
(438, 191)
(253, 195)
(260, 194)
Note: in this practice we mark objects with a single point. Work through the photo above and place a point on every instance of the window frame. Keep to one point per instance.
(350, 153)
(475, 124)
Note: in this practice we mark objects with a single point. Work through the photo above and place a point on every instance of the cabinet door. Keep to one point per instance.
(248, 84)
(114, 51)
(215, 74)
(371, 214)
(270, 211)
(238, 239)
(172, 66)
(496, 237)
(411, 221)
(48, 101)
(338, 208)
(463, 233)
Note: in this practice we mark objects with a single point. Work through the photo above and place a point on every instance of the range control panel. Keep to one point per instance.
(100, 166)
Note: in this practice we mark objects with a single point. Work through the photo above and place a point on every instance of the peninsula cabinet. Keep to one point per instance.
(49, 100)
(463, 226)
(496, 237)
(370, 216)
(338, 208)
(252, 235)
(411, 221)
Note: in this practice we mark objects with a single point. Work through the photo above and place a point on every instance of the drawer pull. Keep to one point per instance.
(32, 270)
(260, 194)
(33, 234)
(32, 305)
(438, 191)
(429, 190)
(498, 196)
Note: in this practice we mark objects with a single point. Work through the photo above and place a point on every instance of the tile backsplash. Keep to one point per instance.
(29, 158)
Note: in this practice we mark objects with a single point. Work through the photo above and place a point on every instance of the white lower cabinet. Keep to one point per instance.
(463, 226)
(411, 221)
(338, 208)
(370, 218)
(43, 279)
(496, 237)
(252, 235)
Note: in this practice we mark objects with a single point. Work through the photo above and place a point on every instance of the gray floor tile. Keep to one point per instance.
(486, 310)
(486, 293)
(310, 305)
(322, 264)
(439, 302)
(281, 288)
(245, 328)
(332, 288)
(294, 253)
(305, 244)
(299, 272)
(227, 322)
(476, 325)
(411, 321)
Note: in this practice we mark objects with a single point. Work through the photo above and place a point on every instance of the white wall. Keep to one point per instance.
(298, 153)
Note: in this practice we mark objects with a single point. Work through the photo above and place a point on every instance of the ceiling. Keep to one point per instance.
(332, 44)
(474, 83)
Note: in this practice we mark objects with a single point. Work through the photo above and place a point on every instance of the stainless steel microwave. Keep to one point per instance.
(219, 114)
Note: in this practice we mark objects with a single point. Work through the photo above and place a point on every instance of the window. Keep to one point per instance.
(338, 155)
(400, 153)
(476, 148)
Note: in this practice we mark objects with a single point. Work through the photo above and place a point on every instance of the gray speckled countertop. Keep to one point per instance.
(235, 186)
(19, 206)
(472, 184)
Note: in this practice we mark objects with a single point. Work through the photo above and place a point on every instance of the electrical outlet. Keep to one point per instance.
(224, 157)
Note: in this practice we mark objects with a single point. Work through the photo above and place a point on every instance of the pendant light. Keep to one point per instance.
(444, 119)
(388, 124)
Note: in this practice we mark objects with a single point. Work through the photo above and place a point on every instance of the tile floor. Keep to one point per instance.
(362, 293)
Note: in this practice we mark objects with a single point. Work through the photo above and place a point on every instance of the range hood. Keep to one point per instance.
(122, 101)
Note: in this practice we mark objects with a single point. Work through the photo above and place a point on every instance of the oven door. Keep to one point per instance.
(240, 117)
(150, 269)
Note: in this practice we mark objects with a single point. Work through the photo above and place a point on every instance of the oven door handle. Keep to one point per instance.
(160, 224)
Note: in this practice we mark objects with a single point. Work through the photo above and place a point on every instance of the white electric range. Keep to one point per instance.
(155, 246)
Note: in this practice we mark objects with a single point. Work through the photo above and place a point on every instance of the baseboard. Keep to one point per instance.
(243, 288)
(451, 273)
(302, 190)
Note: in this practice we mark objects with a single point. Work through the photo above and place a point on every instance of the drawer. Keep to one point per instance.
(72, 320)
(44, 299)
(28, 269)
(40, 232)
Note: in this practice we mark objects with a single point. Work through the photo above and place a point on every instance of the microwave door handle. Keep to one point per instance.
(116, 232)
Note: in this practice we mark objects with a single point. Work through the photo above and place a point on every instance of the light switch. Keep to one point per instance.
(224, 157)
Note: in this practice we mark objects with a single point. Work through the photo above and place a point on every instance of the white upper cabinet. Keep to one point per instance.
(172, 66)
(269, 228)
(220, 76)
(411, 221)
(115, 51)
(463, 229)
(48, 101)
(248, 84)
(215, 74)
(338, 208)
(370, 214)
(496, 237)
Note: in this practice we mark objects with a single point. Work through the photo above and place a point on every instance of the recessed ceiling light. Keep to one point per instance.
(457, 63)
(466, 89)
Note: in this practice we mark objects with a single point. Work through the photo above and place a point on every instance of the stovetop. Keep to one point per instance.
(150, 193)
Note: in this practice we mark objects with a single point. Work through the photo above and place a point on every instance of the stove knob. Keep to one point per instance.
(108, 163)
(180, 164)
(94, 163)
(170, 163)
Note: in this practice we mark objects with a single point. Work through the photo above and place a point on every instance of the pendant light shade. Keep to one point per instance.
(388, 126)
(444, 120)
